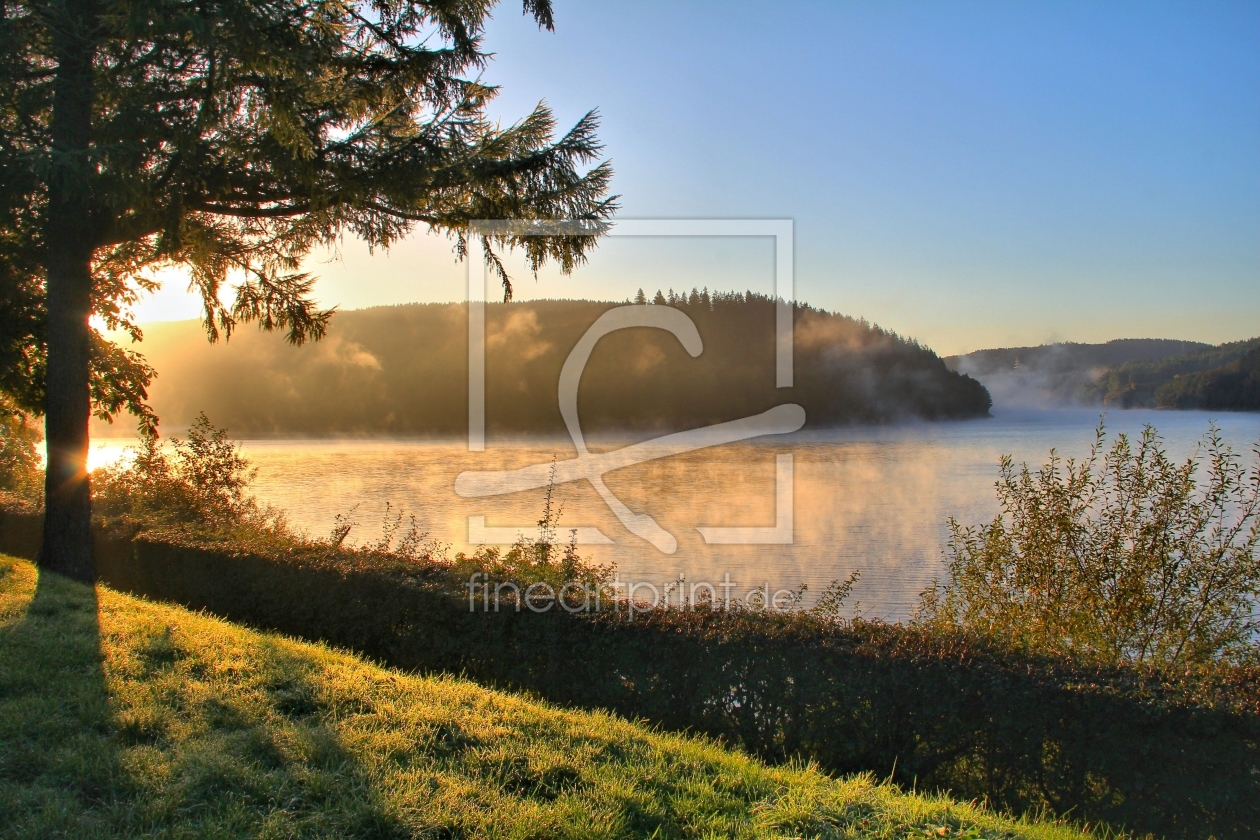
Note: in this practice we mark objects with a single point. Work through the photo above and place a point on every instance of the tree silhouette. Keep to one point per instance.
(231, 137)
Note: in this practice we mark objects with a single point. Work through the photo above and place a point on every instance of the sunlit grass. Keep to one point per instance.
(124, 718)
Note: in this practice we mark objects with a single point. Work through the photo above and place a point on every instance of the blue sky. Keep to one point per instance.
(973, 174)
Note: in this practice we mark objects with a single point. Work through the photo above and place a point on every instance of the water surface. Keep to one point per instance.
(872, 499)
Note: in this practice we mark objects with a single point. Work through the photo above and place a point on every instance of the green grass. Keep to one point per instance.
(124, 718)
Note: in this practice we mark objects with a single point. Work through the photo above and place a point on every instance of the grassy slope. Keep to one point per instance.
(124, 718)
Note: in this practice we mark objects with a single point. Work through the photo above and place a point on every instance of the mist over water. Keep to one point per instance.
(874, 499)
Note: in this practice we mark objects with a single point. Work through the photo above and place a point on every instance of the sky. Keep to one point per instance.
(971, 174)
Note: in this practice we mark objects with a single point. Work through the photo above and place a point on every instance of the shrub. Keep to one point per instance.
(201, 481)
(540, 559)
(1124, 556)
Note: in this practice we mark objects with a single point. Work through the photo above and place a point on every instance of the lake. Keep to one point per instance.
(871, 499)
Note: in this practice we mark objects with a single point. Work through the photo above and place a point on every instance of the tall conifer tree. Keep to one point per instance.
(231, 137)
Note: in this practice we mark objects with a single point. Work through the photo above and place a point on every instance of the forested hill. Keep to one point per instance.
(403, 370)
(1126, 373)
(1226, 378)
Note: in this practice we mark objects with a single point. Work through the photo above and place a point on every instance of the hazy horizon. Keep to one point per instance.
(973, 174)
(120, 335)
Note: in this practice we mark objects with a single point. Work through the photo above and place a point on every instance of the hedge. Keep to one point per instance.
(1172, 754)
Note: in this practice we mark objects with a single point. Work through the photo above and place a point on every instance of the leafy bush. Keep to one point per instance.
(1124, 556)
(21, 466)
(201, 481)
(540, 559)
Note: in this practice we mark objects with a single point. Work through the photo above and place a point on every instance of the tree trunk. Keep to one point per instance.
(67, 546)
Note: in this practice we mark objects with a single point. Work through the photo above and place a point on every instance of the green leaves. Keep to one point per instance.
(21, 467)
(1124, 556)
(120, 380)
(204, 481)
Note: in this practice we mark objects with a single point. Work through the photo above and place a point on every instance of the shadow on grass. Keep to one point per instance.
(57, 758)
(169, 742)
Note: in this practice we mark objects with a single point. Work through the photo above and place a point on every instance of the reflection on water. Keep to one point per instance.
(871, 499)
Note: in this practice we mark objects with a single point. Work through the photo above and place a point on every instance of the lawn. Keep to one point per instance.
(125, 718)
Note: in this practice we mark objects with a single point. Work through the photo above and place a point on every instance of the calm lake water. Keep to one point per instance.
(873, 499)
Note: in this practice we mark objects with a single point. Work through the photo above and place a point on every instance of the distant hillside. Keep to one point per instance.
(403, 370)
(1056, 374)
(1146, 384)
(1127, 373)
(1234, 386)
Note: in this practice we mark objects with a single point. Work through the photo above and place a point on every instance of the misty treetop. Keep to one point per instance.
(1125, 373)
(403, 370)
